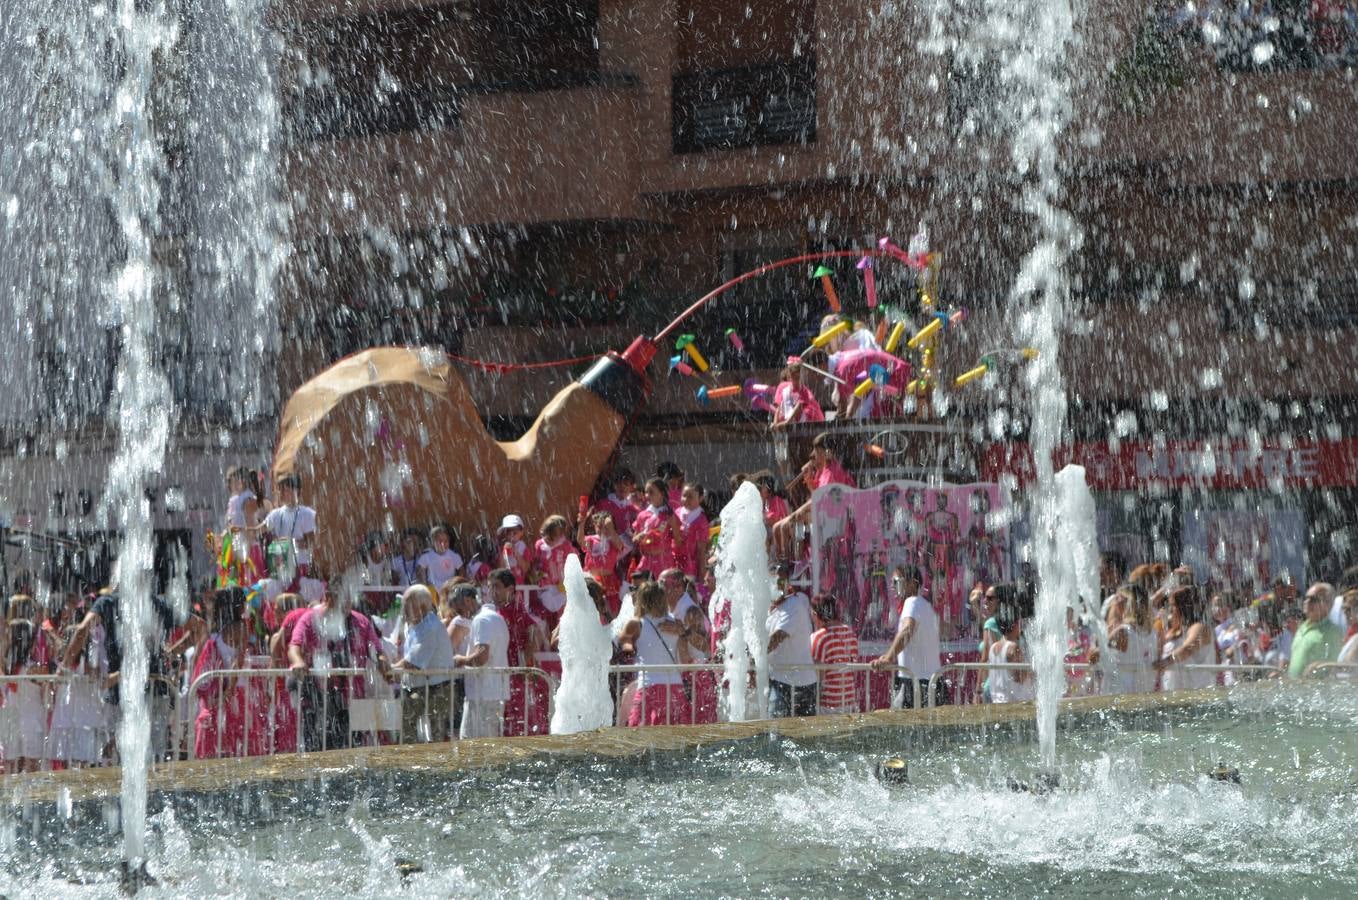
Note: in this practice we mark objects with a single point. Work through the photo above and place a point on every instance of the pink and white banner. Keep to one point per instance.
(956, 534)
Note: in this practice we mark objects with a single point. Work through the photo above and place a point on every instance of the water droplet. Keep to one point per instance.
(1262, 52)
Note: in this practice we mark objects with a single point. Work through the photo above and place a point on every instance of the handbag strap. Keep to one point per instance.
(661, 637)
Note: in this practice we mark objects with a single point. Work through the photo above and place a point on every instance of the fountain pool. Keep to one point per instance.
(777, 816)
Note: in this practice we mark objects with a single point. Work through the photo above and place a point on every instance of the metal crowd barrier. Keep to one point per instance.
(862, 697)
(377, 714)
(1318, 669)
(57, 747)
(1067, 667)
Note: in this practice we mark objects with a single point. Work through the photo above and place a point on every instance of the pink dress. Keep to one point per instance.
(601, 562)
(831, 473)
(855, 365)
(622, 511)
(694, 545)
(550, 561)
(775, 510)
(219, 730)
(655, 542)
(786, 397)
(516, 559)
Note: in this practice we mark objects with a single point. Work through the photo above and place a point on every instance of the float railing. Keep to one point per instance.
(1320, 669)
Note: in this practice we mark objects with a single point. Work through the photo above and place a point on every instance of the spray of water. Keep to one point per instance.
(743, 578)
(143, 406)
(582, 701)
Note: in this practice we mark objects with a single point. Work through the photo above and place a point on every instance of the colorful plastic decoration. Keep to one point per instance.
(894, 340)
(939, 321)
(971, 375)
(706, 395)
(824, 273)
(677, 364)
(686, 344)
(735, 340)
(829, 334)
(869, 280)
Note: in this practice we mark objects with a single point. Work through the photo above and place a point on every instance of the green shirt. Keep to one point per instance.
(1314, 642)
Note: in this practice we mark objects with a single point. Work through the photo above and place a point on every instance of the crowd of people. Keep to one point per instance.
(272, 659)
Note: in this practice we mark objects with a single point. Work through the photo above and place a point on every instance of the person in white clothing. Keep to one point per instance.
(1010, 685)
(915, 647)
(1188, 641)
(702, 686)
(657, 639)
(1133, 645)
(1349, 652)
(793, 680)
(291, 527)
(440, 562)
(483, 712)
(460, 603)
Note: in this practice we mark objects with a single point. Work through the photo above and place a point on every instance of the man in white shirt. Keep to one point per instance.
(291, 527)
(440, 562)
(792, 680)
(427, 647)
(915, 646)
(483, 712)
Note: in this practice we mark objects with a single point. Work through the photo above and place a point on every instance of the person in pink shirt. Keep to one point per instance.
(549, 562)
(602, 550)
(332, 636)
(514, 554)
(288, 609)
(219, 730)
(852, 367)
(673, 476)
(775, 507)
(619, 502)
(695, 529)
(794, 402)
(824, 468)
(656, 532)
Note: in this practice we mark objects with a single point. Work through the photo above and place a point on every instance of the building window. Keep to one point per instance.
(764, 105)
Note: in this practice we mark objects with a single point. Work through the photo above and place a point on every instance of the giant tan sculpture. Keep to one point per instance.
(389, 438)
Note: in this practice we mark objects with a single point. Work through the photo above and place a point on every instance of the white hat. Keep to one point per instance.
(510, 521)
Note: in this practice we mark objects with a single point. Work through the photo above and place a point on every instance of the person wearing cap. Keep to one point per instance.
(915, 647)
(427, 699)
(792, 678)
(1317, 639)
(793, 401)
(514, 554)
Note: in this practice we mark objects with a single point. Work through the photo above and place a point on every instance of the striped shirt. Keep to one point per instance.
(830, 646)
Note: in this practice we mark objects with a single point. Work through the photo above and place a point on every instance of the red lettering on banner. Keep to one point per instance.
(1218, 465)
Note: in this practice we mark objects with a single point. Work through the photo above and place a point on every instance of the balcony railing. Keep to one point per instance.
(322, 114)
(747, 107)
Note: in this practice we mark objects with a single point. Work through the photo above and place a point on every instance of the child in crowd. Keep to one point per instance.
(621, 502)
(656, 530)
(23, 718)
(514, 554)
(833, 643)
(79, 730)
(440, 562)
(694, 530)
(244, 515)
(673, 477)
(775, 507)
(291, 527)
(602, 550)
(405, 568)
(793, 401)
(219, 729)
(376, 560)
(549, 561)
